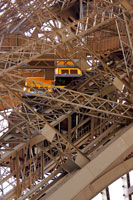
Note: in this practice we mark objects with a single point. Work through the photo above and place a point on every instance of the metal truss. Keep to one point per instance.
(82, 190)
(73, 98)
(34, 125)
(81, 141)
(63, 35)
(48, 136)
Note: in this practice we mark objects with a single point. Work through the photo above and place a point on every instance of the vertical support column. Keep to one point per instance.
(105, 194)
(30, 166)
(77, 121)
(81, 26)
(92, 127)
(42, 165)
(69, 134)
(69, 128)
(131, 86)
(1, 40)
(17, 175)
(130, 188)
(1, 186)
(101, 126)
(81, 9)
(125, 187)
(59, 127)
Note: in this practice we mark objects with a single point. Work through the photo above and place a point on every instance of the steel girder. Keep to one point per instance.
(74, 98)
(72, 40)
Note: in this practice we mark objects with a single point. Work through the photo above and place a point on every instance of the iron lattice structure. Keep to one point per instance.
(47, 136)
